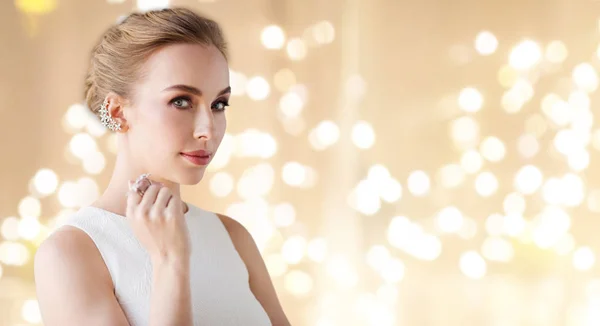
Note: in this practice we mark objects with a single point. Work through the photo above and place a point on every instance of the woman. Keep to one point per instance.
(139, 255)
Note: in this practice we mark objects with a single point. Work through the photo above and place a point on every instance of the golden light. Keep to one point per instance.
(471, 161)
(296, 49)
(146, 5)
(525, 55)
(273, 37)
(276, 265)
(512, 101)
(470, 100)
(238, 82)
(13, 253)
(451, 175)
(465, 132)
(450, 219)
(550, 226)
(82, 144)
(486, 184)
(492, 149)
(536, 125)
(579, 160)
(342, 272)
(514, 203)
(291, 104)
(486, 43)
(256, 181)
(556, 52)
(418, 183)
(596, 139)
(497, 249)
(298, 283)
(528, 145)
(593, 201)
(45, 182)
(355, 87)
(553, 191)
(528, 179)
(473, 265)
(365, 198)
(67, 194)
(363, 135)
(323, 32)
(325, 134)
(10, 228)
(31, 312)
(284, 215)
(565, 245)
(37, 7)
(390, 190)
(294, 174)
(221, 184)
(494, 224)
(507, 76)
(29, 228)
(94, 162)
(258, 88)
(77, 116)
(317, 250)
(223, 155)
(584, 258)
(393, 270)
(284, 79)
(585, 77)
(30, 207)
(377, 257)
(293, 249)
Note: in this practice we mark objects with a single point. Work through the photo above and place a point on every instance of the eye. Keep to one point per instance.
(182, 102)
(220, 106)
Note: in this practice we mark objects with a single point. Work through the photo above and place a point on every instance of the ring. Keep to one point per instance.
(141, 184)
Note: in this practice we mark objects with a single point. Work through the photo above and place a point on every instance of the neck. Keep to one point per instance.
(113, 199)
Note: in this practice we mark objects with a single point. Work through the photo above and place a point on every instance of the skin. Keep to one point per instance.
(158, 122)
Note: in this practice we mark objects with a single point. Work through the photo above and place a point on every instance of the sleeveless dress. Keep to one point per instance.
(220, 290)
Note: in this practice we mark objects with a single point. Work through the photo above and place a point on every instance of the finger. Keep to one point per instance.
(162, 199)
(150, 196)
(173, 207)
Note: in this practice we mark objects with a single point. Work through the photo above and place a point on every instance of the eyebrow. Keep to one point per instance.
(194, 90)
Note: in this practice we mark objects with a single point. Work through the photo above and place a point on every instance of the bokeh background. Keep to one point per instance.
(398, 162)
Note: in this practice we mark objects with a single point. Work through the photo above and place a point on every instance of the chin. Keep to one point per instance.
(192, 178)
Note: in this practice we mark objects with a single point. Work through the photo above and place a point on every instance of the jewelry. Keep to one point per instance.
(106, 119)
(141, 184)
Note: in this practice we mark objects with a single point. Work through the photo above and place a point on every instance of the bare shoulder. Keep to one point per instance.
(68, 248)
(260, 281)
(72, 282)
(236, 230)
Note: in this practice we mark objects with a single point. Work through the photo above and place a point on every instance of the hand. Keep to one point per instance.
(157, 219)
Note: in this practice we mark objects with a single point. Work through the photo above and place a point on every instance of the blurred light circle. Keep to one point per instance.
(486, 43)
(272, 37)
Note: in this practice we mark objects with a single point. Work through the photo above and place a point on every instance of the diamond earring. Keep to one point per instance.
(106, 119)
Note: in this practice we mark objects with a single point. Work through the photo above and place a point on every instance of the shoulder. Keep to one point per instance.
(237, 232)
(67, 253)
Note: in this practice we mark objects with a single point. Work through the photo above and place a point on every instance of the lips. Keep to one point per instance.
(200, 157)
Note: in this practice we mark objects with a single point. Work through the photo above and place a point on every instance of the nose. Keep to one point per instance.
(204, 124)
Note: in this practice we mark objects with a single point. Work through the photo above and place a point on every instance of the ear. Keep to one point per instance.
(116, 109)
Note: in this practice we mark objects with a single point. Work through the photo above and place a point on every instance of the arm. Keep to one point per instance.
(260, 281)
(74, 286)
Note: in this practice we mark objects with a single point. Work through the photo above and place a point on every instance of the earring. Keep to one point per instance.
(106, 119)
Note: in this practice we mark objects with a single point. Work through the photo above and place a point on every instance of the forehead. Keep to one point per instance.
(200, 66)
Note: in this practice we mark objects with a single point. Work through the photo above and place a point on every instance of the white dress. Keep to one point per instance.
(220, 290)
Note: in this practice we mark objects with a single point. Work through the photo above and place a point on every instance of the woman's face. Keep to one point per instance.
(177, 107)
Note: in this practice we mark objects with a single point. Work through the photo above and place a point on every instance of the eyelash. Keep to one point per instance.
(188, 99)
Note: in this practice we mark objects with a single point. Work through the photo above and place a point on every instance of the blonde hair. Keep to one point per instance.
(117, 59)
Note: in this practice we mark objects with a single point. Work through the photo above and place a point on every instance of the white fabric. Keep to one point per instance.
(220, 291)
